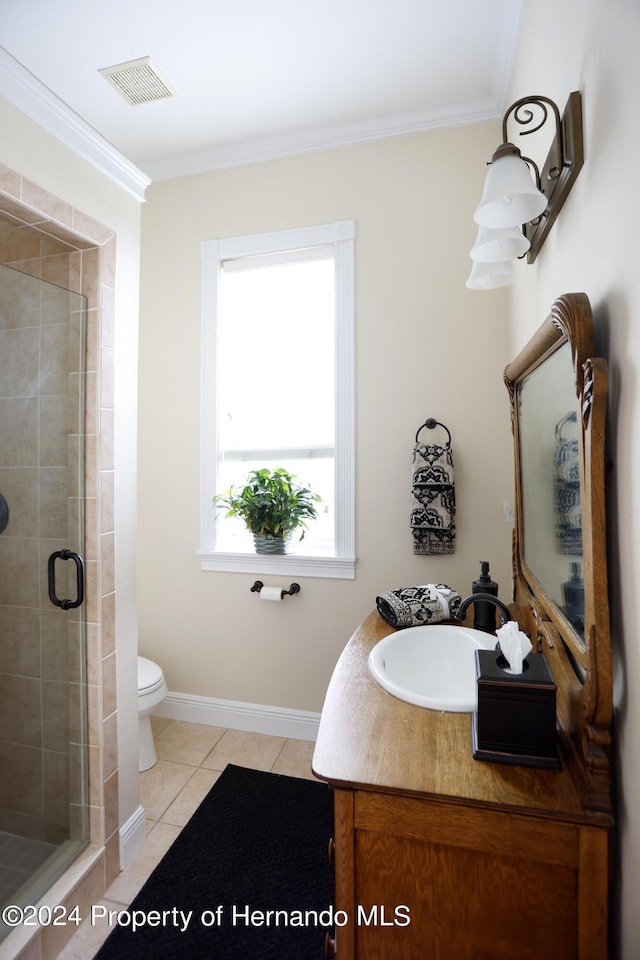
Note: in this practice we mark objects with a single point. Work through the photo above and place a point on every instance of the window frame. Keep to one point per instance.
(340, 236)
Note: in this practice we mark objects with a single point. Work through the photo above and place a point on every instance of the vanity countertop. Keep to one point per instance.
(370, 740)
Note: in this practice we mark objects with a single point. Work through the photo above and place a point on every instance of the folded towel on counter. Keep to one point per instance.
(417, 606)
(433, 500)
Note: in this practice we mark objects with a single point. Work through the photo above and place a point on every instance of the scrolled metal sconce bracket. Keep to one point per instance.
(564, 160)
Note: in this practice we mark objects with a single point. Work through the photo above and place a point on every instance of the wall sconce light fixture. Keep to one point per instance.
(521, 201)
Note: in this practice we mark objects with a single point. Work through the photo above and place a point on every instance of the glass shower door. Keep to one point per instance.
(43, 714)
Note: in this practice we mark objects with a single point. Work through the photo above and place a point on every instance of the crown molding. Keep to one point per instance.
(28, 94)
(476, 110)
(509, 22)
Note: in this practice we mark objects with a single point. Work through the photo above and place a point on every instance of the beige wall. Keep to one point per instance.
(425, 346)
(593, 47)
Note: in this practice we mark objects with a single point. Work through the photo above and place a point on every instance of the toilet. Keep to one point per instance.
(152, 690)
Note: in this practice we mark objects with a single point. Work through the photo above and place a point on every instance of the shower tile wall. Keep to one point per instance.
(36, 647)
(46, 238)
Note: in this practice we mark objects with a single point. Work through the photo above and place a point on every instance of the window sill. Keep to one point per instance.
(336, 568)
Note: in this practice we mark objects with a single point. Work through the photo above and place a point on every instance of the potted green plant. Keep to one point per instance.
(272, 505)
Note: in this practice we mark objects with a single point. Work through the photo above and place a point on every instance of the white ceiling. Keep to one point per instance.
(255, 79)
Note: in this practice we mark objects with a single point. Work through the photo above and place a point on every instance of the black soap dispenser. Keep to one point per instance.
(484, 614)
(573, 595)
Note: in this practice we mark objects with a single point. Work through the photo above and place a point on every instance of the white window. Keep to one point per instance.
(278, 385)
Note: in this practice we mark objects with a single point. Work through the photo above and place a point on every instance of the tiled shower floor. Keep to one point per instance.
(19, 859)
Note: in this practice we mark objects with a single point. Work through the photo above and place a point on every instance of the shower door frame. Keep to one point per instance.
(44, 803)
(49, 238)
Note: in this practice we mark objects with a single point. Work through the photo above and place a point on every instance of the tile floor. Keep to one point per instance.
(191, 757)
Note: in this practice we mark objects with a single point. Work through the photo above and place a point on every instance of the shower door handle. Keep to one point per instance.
(66, 555)
(4, 514)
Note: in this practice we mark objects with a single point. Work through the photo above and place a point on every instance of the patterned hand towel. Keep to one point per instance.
(566, 490)
(417, 606)
(433, 500)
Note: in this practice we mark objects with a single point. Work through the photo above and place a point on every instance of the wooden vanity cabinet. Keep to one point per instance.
(423, 878)
(493, 861)
(442, 857)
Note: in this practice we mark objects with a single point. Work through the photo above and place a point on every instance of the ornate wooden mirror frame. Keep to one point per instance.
(579, 658)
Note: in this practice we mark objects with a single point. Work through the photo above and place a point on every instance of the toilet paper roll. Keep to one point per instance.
(271, 593)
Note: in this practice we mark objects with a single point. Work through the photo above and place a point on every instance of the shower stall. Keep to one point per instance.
(44, 804)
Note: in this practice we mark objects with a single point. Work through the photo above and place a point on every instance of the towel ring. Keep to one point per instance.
(430, 424)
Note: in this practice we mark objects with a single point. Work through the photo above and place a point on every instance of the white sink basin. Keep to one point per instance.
(432, 666)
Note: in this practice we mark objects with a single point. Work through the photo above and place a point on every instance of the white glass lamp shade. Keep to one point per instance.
(495, 246)
(489, 276)
(510, 196)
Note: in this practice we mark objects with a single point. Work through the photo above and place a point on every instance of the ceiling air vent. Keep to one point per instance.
(139, 81)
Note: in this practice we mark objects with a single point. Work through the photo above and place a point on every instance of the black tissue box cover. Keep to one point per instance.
(516, 717)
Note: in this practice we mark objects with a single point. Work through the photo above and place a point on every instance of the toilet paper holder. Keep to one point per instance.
(293, 588)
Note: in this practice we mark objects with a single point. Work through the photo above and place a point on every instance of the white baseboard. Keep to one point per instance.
(252, 717)
(132, 837)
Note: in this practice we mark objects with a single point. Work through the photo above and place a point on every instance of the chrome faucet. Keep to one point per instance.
(503, 609)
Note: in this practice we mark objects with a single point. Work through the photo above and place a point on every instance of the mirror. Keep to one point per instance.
(550, 483)
(558, 392)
